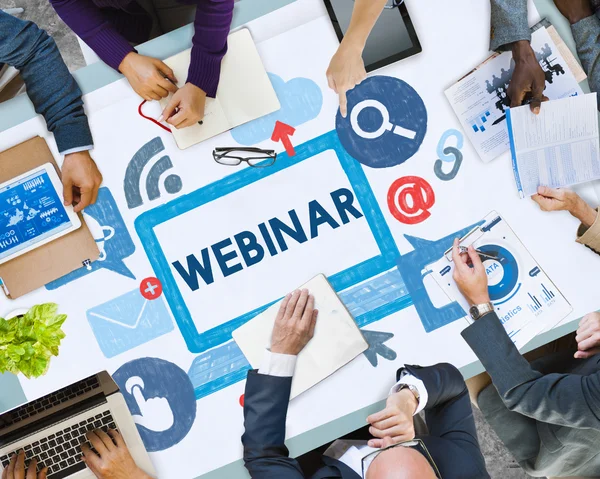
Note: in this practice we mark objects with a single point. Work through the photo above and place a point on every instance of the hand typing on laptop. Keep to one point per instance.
(109, 459)
(112, 459)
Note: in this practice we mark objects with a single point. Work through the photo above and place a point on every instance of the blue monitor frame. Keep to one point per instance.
(199, 342)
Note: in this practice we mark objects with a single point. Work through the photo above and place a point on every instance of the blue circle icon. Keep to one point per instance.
(508, 270)
(386, 122)
(161, 399)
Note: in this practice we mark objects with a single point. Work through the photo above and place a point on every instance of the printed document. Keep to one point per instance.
(480, 99)
(558, 147)
(524, 297)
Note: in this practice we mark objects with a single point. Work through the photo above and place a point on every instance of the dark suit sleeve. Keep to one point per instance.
(265, 410)
(568, 400)
(509, 23)
(448, 411)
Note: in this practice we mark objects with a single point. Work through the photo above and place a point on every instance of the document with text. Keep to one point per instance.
(558, 147)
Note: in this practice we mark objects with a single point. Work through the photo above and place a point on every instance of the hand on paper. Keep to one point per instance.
(186, 107)
(16, 468)
(295, 323)
(557, 199)
(112, 460)
(588, 336)
(346, 70)
(574, 10)
(81, 180)
(471, 279)
(528, 77)
(149, 77)
(395, 422)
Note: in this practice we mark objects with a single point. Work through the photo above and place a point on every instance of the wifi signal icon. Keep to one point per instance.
(133, 174)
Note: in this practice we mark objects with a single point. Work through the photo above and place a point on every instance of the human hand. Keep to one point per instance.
(588, 336)
(81, 180)
(295, 323)
(471, 279)
(556, 199)
(574, 10)
(528, 77)
(146, 76)
(16, 468)
(112, 460)
(186, 107)
(346, 70)
(395, 421)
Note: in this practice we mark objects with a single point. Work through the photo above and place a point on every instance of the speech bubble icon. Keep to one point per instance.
(110, 233)
(534, 272)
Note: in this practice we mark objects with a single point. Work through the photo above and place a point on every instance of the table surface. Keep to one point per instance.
(98, 75)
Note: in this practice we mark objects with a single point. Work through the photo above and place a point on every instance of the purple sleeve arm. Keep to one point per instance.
(212, 24)
(89, 23)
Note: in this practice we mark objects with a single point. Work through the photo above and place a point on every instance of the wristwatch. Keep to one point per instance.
(478, 310)
(412, 389)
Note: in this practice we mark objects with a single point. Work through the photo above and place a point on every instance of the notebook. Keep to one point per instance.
(245, 92)
(336, 342)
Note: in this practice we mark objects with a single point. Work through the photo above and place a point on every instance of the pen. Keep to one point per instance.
(13, 11)
(464, 249)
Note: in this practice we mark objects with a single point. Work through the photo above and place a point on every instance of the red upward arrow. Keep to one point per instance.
(282, 132)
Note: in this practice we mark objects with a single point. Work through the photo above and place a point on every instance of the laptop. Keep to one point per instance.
(53, 427)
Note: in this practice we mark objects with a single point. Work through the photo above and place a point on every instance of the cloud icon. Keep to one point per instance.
(301, 100)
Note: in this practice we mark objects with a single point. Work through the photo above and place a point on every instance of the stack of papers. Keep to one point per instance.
(558, 147)
(336, 342)
(480, 98)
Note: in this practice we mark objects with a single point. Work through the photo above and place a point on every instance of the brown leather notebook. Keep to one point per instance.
(53, 260)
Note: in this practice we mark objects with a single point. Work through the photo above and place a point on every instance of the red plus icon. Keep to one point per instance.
(151, 288)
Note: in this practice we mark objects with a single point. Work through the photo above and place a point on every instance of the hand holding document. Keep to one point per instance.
(558, 147)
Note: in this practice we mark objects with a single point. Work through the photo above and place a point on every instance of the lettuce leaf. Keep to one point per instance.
(28, 342)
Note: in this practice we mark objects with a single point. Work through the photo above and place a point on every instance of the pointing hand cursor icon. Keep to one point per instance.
(155, 413)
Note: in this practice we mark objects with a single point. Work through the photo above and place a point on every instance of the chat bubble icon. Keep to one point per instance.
(534, 272)
(110, 233)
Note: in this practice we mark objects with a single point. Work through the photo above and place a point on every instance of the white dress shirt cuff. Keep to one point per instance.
(275, 364)
(411, 380)
(77, 150)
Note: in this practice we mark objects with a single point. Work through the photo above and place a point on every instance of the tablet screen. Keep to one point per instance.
(392, 38)
(30, 211)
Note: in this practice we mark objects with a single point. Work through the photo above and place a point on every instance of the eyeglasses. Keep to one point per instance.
(255, 157)
(392, 3)
(416, 443)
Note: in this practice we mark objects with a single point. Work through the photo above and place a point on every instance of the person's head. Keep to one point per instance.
(400, 463)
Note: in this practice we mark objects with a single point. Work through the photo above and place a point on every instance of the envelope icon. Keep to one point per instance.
(128, 321)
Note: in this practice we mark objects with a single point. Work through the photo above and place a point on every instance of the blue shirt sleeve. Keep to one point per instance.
(51, 88)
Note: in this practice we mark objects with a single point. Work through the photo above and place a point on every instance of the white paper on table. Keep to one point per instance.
(556, 148)
(479, 106)
(526, 300)
(336, 342)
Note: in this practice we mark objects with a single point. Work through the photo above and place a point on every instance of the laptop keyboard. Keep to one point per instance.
(51, 400)
(61, 451)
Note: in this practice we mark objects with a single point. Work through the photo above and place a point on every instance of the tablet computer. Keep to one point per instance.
(393, 37)
(32, 212)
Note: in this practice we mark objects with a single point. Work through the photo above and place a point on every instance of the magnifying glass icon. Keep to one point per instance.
(385, 122)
